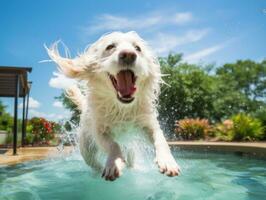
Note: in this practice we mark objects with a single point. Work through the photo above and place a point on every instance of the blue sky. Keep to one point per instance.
(204, 31)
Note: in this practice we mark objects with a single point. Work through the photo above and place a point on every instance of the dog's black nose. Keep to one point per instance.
(127, 57)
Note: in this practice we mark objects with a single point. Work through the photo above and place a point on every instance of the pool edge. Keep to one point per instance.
(253, 149)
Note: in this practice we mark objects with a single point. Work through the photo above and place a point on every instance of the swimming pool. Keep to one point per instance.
(204, 176)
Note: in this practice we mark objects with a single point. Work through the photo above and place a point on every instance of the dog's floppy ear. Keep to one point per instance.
(72, 68)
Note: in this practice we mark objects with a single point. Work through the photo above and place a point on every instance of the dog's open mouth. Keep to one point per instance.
(124, 84)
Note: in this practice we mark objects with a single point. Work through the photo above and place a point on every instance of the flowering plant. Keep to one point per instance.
(42, 130)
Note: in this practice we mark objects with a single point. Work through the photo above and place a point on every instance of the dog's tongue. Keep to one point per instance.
(125, 83)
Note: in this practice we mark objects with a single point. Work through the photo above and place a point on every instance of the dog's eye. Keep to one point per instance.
(109, 47)
(138, 48)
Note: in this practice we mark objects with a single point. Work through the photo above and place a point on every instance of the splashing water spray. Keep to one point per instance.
(135, 145)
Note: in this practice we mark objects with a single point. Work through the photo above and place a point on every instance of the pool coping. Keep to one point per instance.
(254, 149)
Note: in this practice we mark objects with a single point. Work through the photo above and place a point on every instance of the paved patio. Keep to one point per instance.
(31, 153)
(256, 149)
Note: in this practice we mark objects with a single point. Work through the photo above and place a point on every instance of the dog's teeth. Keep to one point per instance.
(120, 95)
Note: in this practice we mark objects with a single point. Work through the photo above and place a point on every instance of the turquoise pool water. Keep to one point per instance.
(204, 176)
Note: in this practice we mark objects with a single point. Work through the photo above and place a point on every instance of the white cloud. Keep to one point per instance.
(163, 43)
(58, 104)
(183, 18)
(107, 22)
(50, 116)
(153, 22)
(110, 22)
(33, 103)
(197, 56)
(60, 81)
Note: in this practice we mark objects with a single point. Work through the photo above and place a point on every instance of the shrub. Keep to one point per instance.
(6, 122)
(29, 138)
(41, 131)
(261, 115)
(223, 130)
(192, 129)
(246, 128)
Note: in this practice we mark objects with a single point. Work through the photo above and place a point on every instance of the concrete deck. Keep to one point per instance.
(255, 149)
(30, 153)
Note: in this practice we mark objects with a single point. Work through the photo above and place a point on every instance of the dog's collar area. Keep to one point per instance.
(124, 84)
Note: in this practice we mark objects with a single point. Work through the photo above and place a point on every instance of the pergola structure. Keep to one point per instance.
(14, 83)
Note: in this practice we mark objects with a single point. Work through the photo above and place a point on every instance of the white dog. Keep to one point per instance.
(123, 79)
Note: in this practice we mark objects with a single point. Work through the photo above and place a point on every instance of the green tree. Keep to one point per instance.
(75, 113)
(241, 87)
(2, 108)
(6, 120)
(188, 93)
(246, 76)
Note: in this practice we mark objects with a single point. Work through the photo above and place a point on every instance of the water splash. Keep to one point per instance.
(136, 146)
(134, 142)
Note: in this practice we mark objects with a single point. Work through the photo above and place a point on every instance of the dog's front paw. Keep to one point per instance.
(113, 168)
(167, 165)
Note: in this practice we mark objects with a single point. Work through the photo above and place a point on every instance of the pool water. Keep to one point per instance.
(204, 176)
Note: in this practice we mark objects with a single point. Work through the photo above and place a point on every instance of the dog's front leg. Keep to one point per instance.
(115, 161)
(164, 158)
